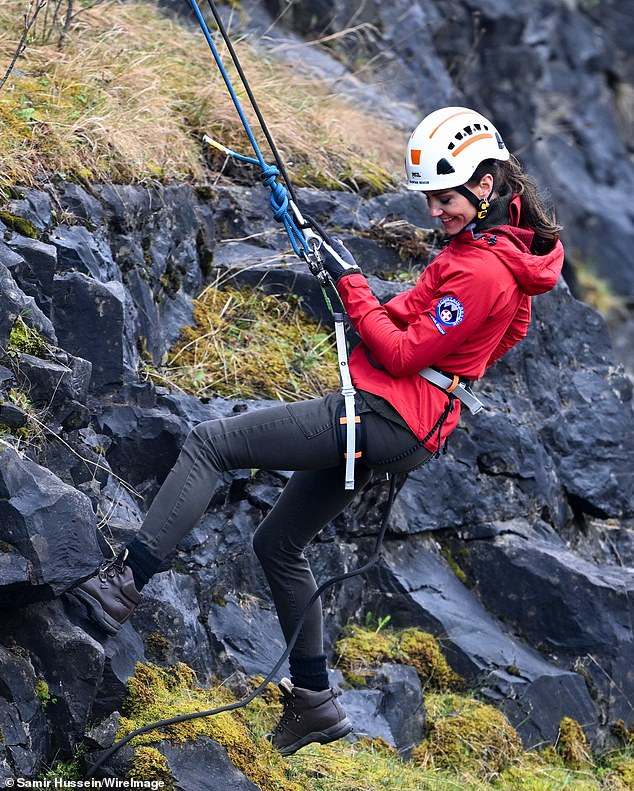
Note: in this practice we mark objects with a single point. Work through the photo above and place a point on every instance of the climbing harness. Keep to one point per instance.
(452, 385)
(370, 562)
(305, 242)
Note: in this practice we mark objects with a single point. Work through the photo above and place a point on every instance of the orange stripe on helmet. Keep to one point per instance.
(448, 118)
(415, 156)
(468, 142)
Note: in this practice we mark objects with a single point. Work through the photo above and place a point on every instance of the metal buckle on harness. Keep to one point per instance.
(453, 386)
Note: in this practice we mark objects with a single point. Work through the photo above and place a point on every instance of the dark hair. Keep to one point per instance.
(509, 177)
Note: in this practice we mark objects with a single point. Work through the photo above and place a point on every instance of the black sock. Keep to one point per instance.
(309, 672)
(142, 563)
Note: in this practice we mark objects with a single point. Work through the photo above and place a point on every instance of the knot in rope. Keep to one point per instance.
(279, 205)
(279, 196)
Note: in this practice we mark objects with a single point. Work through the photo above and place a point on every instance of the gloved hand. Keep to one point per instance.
(338, 261)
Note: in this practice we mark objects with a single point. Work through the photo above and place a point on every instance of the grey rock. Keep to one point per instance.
(12, 416)
(35, 206)
(402, 705)
(67, 659)
(582, 409)
(418, 587)
(169, 621)
(35, 269)
(195, 766)
(84, 206)
(90, 320)
(364, 709)
(248, 633)
(144, 442)
(242, 215)
(203, 765)
(50, 524)
(51, 384)
(78, 250)
(569, 607)
(122, 652)
(13, 303)
(102, 735)
(26, 738)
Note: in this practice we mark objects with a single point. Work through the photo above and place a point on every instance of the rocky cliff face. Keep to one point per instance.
(516, 548)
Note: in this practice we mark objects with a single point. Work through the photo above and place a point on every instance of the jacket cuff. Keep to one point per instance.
(351, 281)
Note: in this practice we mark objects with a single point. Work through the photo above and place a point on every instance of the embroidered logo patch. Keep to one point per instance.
(449, 311)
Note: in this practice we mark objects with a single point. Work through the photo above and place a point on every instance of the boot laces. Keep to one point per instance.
(288, 714)
(113, 566)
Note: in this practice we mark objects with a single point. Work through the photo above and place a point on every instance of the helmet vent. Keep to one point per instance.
(444, 168)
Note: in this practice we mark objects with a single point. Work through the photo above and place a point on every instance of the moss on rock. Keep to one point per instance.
(27, 340)
(571, 745)
(464, 734)
(362, 650)
(159, 693)
(150, 764)
(18, 224)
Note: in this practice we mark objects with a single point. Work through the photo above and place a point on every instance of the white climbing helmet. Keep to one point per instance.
(448, 145)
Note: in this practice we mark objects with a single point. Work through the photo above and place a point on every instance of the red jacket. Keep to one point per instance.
(469, 307)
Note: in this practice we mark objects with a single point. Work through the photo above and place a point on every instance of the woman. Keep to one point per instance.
(470, 306)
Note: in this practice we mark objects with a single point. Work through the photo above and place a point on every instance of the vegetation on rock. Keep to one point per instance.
(469, 745)
(245, 343)
(132, 91)
(362, 650)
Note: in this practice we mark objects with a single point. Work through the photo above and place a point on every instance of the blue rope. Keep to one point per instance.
(279, 197)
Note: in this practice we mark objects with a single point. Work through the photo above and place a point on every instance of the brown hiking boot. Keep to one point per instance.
(110, 595)
(309, 717)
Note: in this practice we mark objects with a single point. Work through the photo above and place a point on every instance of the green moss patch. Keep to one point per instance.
(464, 734)
(28, 340)
(361, 650)
(469, 746)
(156, 693)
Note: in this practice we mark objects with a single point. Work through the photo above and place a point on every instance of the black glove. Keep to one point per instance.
(338, 261)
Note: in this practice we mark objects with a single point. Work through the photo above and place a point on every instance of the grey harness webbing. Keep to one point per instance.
(461, 391)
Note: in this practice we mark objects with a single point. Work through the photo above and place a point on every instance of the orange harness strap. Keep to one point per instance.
(343, 421)
(454, 384)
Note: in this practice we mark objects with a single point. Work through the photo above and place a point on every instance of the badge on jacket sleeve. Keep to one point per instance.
(449, 311)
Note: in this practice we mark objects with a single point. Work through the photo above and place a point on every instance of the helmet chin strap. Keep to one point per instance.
(481, 204)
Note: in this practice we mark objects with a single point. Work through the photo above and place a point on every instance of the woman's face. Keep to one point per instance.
(452, 209)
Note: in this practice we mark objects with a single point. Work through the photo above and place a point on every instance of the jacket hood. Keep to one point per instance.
(535, 274)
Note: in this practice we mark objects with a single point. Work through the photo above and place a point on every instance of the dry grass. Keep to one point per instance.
(132, 92)
(247, 344)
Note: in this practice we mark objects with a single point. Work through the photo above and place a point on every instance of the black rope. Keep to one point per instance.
(371, 561)
(252, 99)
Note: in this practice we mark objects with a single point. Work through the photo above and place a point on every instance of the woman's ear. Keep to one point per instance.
(485, 186)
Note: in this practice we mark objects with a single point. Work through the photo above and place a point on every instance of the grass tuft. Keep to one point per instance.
(247, 344)
(133, 90)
